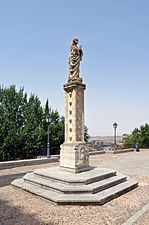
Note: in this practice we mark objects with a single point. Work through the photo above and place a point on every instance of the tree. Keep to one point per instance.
(33, 128)
(144, 136)
(11, 121)
(21, 126)
(140, 135)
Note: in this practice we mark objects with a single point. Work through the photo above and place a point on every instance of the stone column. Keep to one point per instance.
(74, 153)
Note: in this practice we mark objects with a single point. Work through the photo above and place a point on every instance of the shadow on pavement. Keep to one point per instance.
(7, 179)
(12, 215)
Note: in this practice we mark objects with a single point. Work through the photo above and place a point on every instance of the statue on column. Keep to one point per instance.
(75, 57)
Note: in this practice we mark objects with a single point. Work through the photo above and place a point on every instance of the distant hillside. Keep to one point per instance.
(108, 139)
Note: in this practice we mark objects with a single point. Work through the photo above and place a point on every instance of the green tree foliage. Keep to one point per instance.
(33, 130)
(23, 130)
(140, 135)
(11, 119)
(56, 129)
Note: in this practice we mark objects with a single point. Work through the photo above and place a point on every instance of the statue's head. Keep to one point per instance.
(75, 41)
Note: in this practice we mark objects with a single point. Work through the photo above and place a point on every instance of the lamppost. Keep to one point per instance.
(115, 126)
(48, 120)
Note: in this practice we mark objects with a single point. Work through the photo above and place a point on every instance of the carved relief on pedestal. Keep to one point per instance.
(83, 156)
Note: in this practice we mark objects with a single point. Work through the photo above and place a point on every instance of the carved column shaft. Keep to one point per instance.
(74, 112)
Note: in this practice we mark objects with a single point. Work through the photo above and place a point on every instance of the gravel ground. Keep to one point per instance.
(18, 207)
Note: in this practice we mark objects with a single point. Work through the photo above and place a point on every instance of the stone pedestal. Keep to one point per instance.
(74, 154)
(74, 157)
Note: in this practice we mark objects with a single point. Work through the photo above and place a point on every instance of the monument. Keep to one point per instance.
(74, 181)
(74, 154)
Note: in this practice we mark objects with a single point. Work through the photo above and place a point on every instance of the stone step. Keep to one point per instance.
(71, 188)
(117, 190)
(93, 175)
(98, 198)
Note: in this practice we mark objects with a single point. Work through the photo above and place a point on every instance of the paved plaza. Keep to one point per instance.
(22, 208)
(132, 163)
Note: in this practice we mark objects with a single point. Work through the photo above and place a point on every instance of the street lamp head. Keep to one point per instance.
(115, 125)
(48, 118)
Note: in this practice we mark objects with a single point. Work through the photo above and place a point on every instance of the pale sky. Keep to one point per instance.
(35, 36)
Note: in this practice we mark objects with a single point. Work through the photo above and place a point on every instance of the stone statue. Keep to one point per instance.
(75, 57)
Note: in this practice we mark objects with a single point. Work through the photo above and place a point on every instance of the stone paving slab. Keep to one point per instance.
(132, 164)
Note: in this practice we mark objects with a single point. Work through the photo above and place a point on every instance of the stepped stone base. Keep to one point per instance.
(96, 186)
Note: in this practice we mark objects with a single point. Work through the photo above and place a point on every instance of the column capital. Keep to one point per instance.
(74, 84)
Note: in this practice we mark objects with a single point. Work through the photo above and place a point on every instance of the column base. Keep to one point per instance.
(74, 157)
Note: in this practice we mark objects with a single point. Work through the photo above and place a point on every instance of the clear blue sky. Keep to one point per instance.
(35, 36)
